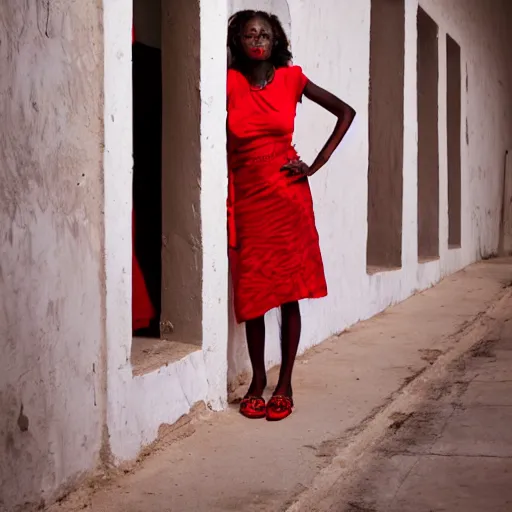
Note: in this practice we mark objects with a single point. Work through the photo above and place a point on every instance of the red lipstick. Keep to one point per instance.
(258, 52)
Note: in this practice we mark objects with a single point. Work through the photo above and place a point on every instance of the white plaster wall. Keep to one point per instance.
(214, 17)
(331, 42)
(51, 369)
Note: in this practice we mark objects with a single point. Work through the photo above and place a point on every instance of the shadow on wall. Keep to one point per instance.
(238, 360)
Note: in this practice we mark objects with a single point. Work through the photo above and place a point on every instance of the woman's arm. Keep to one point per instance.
(338, 108)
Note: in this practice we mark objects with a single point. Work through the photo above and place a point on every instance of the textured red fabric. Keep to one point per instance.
(142, 308)
(273, 242)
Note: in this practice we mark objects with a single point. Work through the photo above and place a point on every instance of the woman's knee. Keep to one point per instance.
(255, 323)
(290, 308)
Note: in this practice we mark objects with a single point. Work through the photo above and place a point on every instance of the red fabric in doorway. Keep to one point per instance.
(142, 309)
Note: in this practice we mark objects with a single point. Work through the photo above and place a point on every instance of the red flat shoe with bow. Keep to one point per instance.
(253, 407)
(279, 407)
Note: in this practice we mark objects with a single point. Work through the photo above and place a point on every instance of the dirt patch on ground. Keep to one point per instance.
(430, 356)
(485, 348)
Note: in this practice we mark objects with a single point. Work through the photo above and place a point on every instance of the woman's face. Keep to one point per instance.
(257, 39)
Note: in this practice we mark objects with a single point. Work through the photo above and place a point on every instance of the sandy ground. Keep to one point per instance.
(409, 411)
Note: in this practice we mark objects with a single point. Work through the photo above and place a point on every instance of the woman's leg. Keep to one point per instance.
(290, 337)
(255, 331)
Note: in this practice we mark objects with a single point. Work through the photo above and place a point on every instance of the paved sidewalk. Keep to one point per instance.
(351, 392)
(451, 451)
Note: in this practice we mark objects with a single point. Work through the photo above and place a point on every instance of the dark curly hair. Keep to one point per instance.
(281, 55)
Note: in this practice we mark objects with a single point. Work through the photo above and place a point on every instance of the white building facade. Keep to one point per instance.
(414, 193)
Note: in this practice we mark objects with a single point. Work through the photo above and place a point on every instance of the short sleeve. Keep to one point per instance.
(298, 81)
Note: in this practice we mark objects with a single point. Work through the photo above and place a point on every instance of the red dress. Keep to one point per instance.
(273, 242)
(142, 308)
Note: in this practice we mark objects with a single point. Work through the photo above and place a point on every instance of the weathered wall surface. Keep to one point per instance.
(51, 245)
(331, 42)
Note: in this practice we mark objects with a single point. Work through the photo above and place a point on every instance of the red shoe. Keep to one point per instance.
(253, 407)
(279, 407)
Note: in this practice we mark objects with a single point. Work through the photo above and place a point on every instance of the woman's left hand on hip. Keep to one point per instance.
(297, 168)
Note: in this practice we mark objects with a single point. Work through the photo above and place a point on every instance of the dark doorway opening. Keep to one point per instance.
(428, 137)
(147, 157)
(453, 105)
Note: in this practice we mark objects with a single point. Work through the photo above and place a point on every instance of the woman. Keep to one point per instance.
(273, 242)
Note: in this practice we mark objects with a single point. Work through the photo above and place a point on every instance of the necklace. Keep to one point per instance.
(263, 83)
(260, 85)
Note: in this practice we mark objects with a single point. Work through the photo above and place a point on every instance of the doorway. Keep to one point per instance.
(428, 137)
(167, 176)
(386, 136)
(147, 166)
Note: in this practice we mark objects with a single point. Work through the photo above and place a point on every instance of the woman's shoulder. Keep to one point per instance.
(233, 79)
(294, 80)
(292, 74)
(292, 70)
(234, 75)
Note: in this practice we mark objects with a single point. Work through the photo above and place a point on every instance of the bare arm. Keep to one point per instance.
(338, 108)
